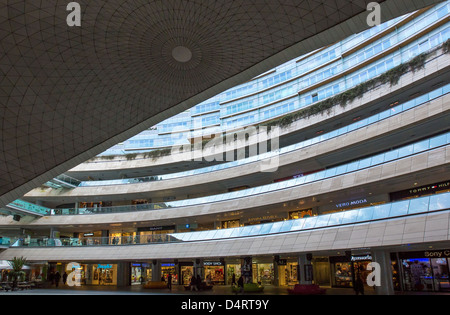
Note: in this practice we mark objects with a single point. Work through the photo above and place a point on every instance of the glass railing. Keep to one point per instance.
(417, 206)
(379, 212)
(378, 159)
(260, 114)
(395, 110)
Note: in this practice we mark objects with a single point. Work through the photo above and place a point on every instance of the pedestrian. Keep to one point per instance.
(241, 284)
(193, 284)
(359, 285)
(64, 277)
(57, 278)
(169, 281)
(199, 282)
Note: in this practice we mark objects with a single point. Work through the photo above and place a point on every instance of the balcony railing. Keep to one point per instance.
(398, 209)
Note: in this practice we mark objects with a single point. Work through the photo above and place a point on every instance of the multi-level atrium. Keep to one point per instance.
(305, 174)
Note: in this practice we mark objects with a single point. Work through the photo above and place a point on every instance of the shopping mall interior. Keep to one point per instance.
(294, 147)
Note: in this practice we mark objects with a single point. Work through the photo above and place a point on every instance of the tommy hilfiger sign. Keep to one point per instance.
(419, 191)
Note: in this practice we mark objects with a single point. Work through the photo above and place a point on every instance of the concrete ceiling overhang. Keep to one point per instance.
(69, 93)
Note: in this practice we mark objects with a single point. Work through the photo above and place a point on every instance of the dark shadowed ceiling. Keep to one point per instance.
(69, 93)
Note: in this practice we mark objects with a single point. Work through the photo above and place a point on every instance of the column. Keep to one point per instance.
(123, 274)
(305, 268)
(383, 285)
(247, 269)
(156, 270)
(198, 268)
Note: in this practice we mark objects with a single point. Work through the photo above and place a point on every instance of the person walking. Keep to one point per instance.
(64, 277)
(57, 278)
(241, 284)
(169, 281)
(359, 285)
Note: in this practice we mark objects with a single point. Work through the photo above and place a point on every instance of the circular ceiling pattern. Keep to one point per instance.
(69, 93)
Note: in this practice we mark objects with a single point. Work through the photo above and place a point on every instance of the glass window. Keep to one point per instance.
(286, 226)
(418, 205)
(439, 202)
(438, 141)
(365, 214)
(421, 146)
(297, 224)
(309, 222)
(256, 229)
(405, 151)
(391, 155)
(265, 229)
(377, 159)
(322, 220)
(364, 163)
(336, 218)
(350, 216)
(381, 211)
(399, 208)
(276, 227)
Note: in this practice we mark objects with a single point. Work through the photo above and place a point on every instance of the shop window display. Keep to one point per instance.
(425, 274)
(214, 273)
(343, 274)
(263, 274)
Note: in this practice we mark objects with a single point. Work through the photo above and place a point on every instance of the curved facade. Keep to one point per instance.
(335, 159)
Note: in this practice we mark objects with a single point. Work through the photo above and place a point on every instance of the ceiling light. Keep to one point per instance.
(182, 54)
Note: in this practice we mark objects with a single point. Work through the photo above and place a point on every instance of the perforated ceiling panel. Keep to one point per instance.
(69, 93)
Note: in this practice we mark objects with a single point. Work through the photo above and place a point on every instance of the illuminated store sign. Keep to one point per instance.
(212, 263)
(361, 258)
(107, 266)
(420, 191)
(351, 203)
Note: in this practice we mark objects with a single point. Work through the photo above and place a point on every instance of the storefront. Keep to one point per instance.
(345, 270)
(169, 269)
(299, 214)
(230, 224)
(424, 271)
(287, 273)
(233, 269)
(186, 272)
(141, 273)
(103, 274)
(214, 272)
(154, 233)
(263, 273)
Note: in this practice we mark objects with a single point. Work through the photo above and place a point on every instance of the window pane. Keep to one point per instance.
(399, 208)
(418, 205)
(381, 211)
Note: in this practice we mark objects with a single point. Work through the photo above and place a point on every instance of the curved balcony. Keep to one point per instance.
(404, 222)
(427, 159)
(430, 109)
(101, 168)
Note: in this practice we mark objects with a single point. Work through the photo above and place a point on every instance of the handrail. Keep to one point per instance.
(371, 161)
(397, 209)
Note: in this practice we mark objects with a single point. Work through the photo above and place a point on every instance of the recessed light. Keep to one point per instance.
(182, 54)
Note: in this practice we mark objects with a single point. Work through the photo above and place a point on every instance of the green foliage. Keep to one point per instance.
(391, 76)
(446, 46)
(17, 264)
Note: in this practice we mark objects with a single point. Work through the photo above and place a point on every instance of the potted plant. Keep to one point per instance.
(16, 264)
